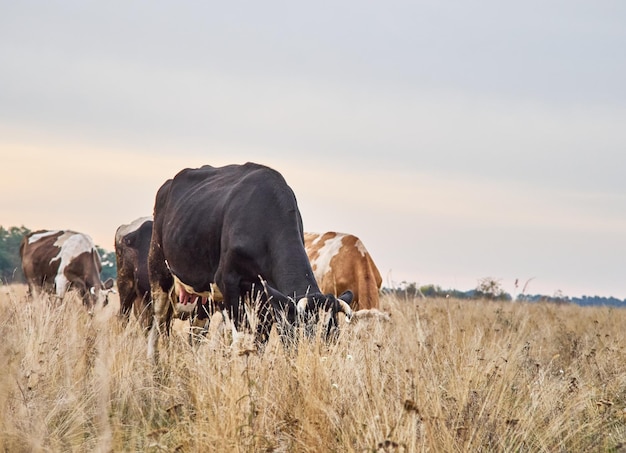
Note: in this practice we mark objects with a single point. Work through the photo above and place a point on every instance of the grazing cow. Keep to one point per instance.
(237, 227)
(132, 244)
(340, 261)
(56, 261)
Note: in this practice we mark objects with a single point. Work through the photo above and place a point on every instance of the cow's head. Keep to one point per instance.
(310, 308)
(306, 310)
(98, 294)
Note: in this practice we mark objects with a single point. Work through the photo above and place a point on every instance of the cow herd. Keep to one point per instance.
(218, 236)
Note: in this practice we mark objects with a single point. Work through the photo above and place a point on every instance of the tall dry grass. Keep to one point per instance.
(442, 375)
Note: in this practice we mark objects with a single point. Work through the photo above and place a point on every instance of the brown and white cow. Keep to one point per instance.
(340, 261)
(55, 261)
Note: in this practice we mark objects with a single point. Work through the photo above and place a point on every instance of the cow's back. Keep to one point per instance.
(340, 262)
(236, 207)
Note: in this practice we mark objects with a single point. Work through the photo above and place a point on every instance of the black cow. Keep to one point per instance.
(238, 227)
(132, 244)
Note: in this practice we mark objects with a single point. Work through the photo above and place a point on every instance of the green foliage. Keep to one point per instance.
(109, 264)
(10, 263)
(431, 291)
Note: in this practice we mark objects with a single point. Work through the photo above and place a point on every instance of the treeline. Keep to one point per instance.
(436, 292)
(585, 301)
(11, 263)
(482, 292)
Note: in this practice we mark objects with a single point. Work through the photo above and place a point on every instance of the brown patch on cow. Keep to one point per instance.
(37, 261)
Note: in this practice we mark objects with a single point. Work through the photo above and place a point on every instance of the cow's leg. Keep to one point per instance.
(127, 298)
(160, 323)
(230, 286)
(161, 282)
(34, 288)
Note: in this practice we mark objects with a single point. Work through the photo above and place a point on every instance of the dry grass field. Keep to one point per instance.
(441, 376)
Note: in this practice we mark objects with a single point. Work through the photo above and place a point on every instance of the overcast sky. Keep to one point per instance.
(458, 140)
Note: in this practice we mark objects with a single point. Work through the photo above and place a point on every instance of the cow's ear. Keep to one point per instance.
(347, 296)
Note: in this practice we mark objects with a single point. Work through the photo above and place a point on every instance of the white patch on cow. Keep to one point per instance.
(361, 248)
(321, 264)
(36, 237)
(70, 245)
(123, 230)
(61, 283)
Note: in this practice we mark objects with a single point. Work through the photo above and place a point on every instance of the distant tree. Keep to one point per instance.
(10, 261)
(559, 297)
(490, 288)
(431, 291)
(409, 289)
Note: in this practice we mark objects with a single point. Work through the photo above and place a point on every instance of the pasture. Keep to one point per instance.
(442, 375)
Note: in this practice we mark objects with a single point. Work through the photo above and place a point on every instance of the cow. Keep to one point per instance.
(237, 227)
(132, 244)
(340, 261)
(55, 261)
